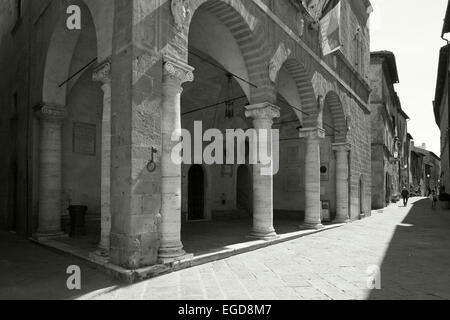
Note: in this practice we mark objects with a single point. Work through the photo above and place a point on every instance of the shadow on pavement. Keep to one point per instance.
(417, 262)
(214, 236)
(30, 272)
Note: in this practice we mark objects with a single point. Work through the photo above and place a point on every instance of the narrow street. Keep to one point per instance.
(411, 246)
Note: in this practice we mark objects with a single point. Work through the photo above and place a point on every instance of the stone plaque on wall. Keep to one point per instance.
(84, 138)
(324, 172)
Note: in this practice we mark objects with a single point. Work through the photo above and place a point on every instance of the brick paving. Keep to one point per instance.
(411, 246)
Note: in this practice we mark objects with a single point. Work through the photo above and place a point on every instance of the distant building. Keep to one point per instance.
(390, 146)
(425, 171)
(441, 105)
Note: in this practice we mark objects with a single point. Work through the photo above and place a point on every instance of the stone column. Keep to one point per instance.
(50, 171)
(342, 182)
(175, 73)
(102, 74)
(313, 208)
(263, 115)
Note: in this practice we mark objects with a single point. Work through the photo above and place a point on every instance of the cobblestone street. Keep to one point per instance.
(410, 245)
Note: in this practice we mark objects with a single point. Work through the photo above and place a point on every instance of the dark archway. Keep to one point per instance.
(196, 196)
(361, 197)
(244, 190)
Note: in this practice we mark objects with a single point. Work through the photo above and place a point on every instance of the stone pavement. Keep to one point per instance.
(29, 271)
(411, 246)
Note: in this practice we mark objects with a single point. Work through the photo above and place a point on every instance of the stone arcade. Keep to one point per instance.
(161, 66)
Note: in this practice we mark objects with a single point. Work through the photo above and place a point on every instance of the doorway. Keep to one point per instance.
(361, 198)
(13, 194)
(244, 190)
(196, 193)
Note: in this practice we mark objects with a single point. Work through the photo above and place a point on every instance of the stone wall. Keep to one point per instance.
(360, 59)
(14, 121)
(81, 162)
(445, 140)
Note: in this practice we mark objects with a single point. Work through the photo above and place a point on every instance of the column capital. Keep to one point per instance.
(312, 133)
(262, 111)
(341, 147)
(176, 69)
(102, 73)
(51, 112)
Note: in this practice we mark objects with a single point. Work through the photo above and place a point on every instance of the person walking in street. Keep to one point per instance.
(405, 196)
(434, 199)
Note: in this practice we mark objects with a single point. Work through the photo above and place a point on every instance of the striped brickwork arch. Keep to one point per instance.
(305, 90)
(251, 37)
(333, 103)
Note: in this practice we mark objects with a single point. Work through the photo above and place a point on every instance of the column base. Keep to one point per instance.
(45, 236)
(103, 249)
(312, 226)
(266, 236)
(101, 256)
(345, 220)
(186, 256)
(168, 255)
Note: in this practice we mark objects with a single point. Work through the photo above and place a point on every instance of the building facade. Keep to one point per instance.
(91, 113)
(441, 104)
(390, 149)
(425, 171)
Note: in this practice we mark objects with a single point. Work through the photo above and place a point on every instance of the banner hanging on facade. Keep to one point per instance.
(330, 28)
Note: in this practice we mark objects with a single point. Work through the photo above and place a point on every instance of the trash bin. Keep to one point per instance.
(77, 220)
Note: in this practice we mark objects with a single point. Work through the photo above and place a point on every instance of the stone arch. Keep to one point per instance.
(305, 91)
(250, 36)
(333, 103)
(102, 13)
(60, 54)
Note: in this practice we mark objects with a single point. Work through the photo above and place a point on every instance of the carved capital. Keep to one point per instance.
(52, 113)
(177, 70)
(312, 133)
(181, 13)
(341, 147)
(103, 73)
(262, 111)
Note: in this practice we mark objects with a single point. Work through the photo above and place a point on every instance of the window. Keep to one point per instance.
(357, 48)
(359, 51)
